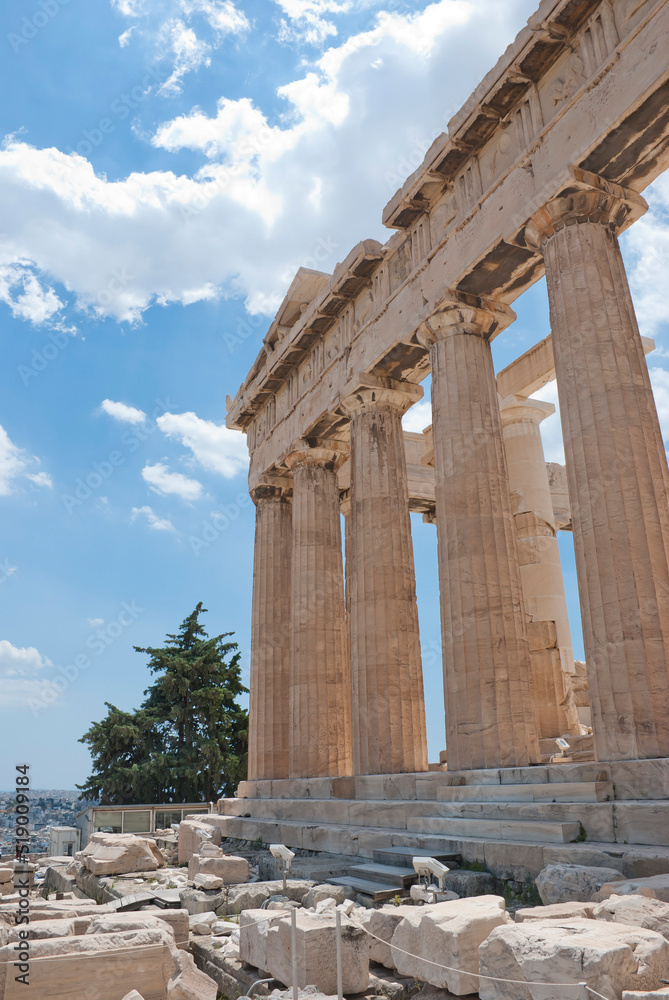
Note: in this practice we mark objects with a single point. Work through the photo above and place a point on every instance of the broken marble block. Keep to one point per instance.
(120, 853)
(229, 868)
(640, 911)
(572, 883)
(447, 934)
(317, 951)
(202, 881)
(556, 911)
(254, 927)
(192, 834)
(655, 887)
(189, 983)
(608, 957)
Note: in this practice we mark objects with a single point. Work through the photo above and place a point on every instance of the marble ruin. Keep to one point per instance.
(537, 175)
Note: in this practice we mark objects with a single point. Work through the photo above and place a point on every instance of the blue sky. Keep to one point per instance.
(166, 167)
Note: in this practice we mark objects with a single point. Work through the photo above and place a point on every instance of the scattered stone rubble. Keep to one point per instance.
(228, 930)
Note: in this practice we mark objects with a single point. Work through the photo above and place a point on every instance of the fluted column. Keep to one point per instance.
(387, 680)
(320, 679)
(489, 714)
(616, 466)
(551, 653)
(270, 634)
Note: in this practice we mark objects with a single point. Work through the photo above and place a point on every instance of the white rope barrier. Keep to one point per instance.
(281, 914)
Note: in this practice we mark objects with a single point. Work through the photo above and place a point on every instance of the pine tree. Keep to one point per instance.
(188, 741)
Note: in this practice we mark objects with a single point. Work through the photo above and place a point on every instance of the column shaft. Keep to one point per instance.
(270, 637)
(544, 599)
(387, 682)
(489, 714)
(320, 687)
(617, 473)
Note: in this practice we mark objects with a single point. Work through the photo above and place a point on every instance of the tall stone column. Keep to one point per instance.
(270, 635)
(320, 677)
(489, 713)
(544, 599)
(387, 680)
(616, 466)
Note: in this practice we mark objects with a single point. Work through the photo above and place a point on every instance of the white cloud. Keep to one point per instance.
(15, 464)
(551, 428)
(155, 522)
(306, 21)
(354, 125)
(123, 412)
(21, 661)
(25, 295)
(418, 417)
(645, 248)
(164, 482)
(170, 26)
(216, 448)
(42, 479)
(94, 622)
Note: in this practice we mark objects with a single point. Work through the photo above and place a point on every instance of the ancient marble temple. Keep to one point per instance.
(538, 174)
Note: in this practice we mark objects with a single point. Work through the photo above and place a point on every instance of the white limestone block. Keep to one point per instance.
(571, 883)
(556, 911)
(232, 870)
(254, 927)
(446, 934)
(316, 953)
(608, 957)
(640, 911)
(120, 853)
(655, 887)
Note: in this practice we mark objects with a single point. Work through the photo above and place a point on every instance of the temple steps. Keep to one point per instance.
(573, 791)
(397, 876)
(518, 830)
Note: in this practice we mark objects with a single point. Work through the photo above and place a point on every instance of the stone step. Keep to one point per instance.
(392, 874)
(507, 858)
(573, 791)
(404, 856)
(491, 829)
(378, 891)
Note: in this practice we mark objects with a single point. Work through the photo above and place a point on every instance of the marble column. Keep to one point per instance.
(270, 634)
(320, 677)
(490, 718)
(386, 675)
(616, 466)
(544, 598)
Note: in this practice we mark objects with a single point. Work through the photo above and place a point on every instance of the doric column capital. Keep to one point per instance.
(589, 198)
(465, 314)
(373, 391)
(324, 452)
(271, 487)
(516, 409)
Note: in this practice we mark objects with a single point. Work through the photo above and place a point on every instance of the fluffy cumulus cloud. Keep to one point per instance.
(20, 670)
(166, 483)
(123, 412)
(215, 448)
(154, 522)
(179, 28)
(27, 297)
(269, 191)
(16, 465)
